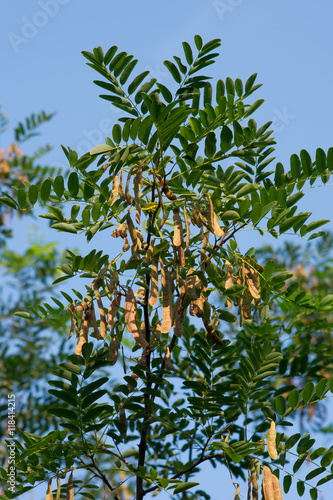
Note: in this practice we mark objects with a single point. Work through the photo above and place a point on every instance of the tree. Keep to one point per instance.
(182, 175)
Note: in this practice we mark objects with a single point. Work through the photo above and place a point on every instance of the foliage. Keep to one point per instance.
(25, 355)
(182, 174)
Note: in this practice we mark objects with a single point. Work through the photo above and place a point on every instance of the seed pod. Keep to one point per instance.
(149, 253)
(166, 190)
(196, 307)
(83, 306)
(113, 353)
(211, 332)
(252, 282)
(267, 483)
(58, 489)
(112, 284)
(70, 488)
(128, 196)
(94, 322)
(120, 232)
(271, 441)
(102, 322)
(181, 256)
(214, 226)
(166, 281)
(122, 416)
(113, 310)
(126, 245)
(154, 282)
(49, 495)
(187, 227)
(237, 497)
(178, 228)
(276, 488)
(137, 187)
(83, 335)
(140, 293)
(167, 360)
(131, 318)
(115, 190)
(254, 482)
(179, 317)
(71, 310)
(192, 284)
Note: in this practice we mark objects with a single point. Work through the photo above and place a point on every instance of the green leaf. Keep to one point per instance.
(294, 399)
(101, 149)
(73, 184)
(116, 133)
(58, 186)
(306, 162)
(230, 215)
(249, 82)
(173, 70)
(23, 314)
(280, 405)
(21, 197)
(153, 474)
(227, 316)
(136, 82)
(46, 189)
(287, 483)
(184, 486)
(308, 392)
(188, 52)
(127, 71)
(33, 194)
(315, 224)
(62, 413)
(63, 226)
(300, 486)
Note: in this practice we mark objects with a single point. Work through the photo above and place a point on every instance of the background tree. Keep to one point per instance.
(183, 173)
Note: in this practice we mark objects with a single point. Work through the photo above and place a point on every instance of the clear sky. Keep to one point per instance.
(288, 43)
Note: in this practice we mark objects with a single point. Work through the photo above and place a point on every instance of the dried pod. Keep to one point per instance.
(267, 483)
(128, 196)
(102, 322)
(49, 495)
(115, 190)
(187, 227)
(131, 318)
(83, 335)
(178, 228)
(211, 332)
(149, 253)
(167, 360)
(122, 416)
(94, 322)
(237, 497)
(271, 441)
(276, 488)
(140, 293)
(192, 284)
(126, 246)
(166, 281)
(120, 232)
(113, 353)
(137, 187)
(70, 488)
(181, 256)
(154, 282)
(179, 317)
(213, 223)
(254, 482)
(196, 307)
(83, 306)
(113, 310)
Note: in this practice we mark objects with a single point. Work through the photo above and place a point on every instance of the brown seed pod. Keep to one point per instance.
(49, 495)
(83, 306)
(167, 360)
(179, 317)
(102, 322)
(178, 228)
(128, 196)
(113, 310)
(120, 232)
(254, 482)
(83, 335)
(126, 246)
(70, 488)
(192, 284)
(187, 228)
(213, 223)
(113, 353)
(115, 190)
(131, 318)
(267, 483)
(276, 488)
(94, 322)
(237, 497)
(149, 253)
(211, 332)
(271, 441)
(140, 293)
(154, 282)
(181, 256)
(137, 187)
(166, 282)
(122, 416)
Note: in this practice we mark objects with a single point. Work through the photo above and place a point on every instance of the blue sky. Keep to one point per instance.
(289, 45)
